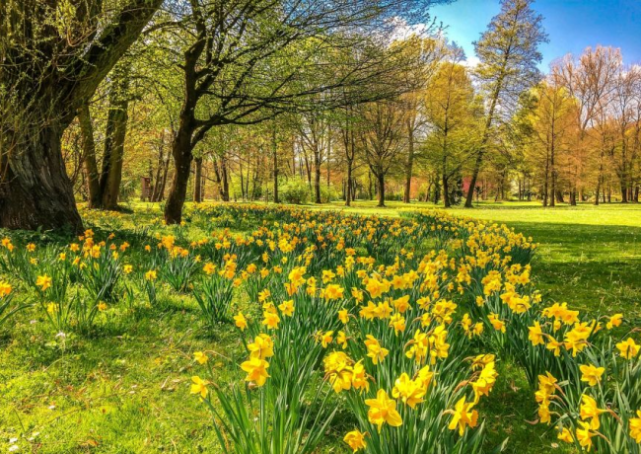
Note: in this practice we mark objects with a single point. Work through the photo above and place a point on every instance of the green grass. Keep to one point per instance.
(126, 389)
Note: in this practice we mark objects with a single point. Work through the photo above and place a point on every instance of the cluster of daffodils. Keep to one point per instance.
(399, 324)
(379, 322)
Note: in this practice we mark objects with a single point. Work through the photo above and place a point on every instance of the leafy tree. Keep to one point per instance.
(53, 55)
(451, 110)
(255, 59)
(508, 54)
(383, 140)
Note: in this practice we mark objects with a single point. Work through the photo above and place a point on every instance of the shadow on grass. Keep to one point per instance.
(592, 267)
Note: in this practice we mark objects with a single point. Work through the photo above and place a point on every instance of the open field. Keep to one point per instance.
(124, 388)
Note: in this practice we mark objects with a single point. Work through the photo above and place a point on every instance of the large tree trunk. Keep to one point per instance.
(35, 191)
(181, 151)
(89, 151)
(546, 183)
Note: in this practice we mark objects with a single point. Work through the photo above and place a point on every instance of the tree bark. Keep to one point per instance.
(348, 190)
(317, 175)
(114, 144)
(446, 192)
(381, 189)
(181, 151)
(410, 164)
(35, 191)
(223, 166)
(90, 161)
(275, 157)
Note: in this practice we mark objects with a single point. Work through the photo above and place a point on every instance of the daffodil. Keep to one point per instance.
(287, 308)
(199, 386)
(327, 338)
(584, 435)
(591, 374)
(628, 348)
(356, 440)
(409, 391)
(44, 282)
(240, 321)
(201, 357)
(256, 369)
(463, 416)
(635, 427)
(536, 334)
(262, 347)
(374, 349)
(590, 411)
(383, 410)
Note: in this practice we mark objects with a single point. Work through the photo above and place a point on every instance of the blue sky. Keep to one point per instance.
(572, 25)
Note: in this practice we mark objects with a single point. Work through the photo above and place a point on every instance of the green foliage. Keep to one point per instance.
(214, 296)
(296, 191)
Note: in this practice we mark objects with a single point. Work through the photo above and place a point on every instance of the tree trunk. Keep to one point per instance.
(198, 181)
(181, 151)
(159, 192)
(317, 176)
(486, 136)
(381, 189)
(35, 191)
(348, 190)
(226, 194)
(242, 179)
(475, 175)
(446, 192)
(410, 164)
(89, 151)
(546, 184)
(114, 143)
(275, 156)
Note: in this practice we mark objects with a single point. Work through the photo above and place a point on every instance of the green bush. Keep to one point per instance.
(296, 191)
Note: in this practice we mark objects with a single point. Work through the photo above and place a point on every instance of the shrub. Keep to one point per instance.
(295, 191)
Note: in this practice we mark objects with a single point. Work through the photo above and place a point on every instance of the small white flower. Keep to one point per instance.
(61, 335)
(12, 440)
(14, 448)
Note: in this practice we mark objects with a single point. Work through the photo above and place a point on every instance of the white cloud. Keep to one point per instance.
(471, 62)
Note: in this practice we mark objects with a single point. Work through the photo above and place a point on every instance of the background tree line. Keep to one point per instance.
(171, 101)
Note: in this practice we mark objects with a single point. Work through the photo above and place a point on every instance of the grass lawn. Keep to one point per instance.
(126, 389)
